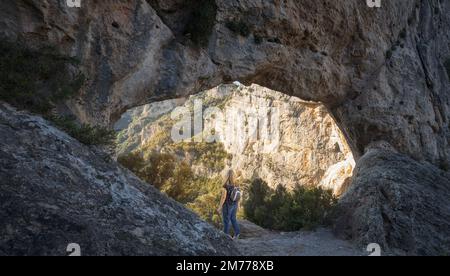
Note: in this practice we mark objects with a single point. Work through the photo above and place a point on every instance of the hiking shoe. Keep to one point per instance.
(236, 237)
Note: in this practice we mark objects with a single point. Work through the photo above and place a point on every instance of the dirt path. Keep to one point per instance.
(260, 242)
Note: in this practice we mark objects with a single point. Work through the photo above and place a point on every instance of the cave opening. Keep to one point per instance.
(289, 155)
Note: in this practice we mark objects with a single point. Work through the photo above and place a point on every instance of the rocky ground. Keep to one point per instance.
(55, 191)
(256, 241)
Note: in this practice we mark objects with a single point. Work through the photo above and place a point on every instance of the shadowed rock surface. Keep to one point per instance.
(375, 69)
(55, 191)
(382, 73)
(398, 203)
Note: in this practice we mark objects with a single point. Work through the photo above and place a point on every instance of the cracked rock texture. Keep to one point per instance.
(55, 191)
(399, 203)
(376, 69)
(381, 72)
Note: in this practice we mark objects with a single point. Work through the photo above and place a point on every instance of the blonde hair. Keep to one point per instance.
(233, 177)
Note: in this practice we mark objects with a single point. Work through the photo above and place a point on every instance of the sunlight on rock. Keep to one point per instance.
(305, 146)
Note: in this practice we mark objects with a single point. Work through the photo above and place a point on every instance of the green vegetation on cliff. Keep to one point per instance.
(190, 171)
(86, 134)
(209, 155)
(277, 209)
(37, 79)
(171, 173)
(280, 209)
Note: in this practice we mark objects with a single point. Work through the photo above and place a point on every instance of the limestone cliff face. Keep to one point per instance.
(280, 139)
(381, 72)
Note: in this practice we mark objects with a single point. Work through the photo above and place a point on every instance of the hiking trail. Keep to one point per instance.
(256, 241)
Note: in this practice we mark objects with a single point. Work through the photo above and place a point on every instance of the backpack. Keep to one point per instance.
(234, 194)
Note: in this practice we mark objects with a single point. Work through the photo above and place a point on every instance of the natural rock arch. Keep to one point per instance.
(267, 135)
(379, 71)
(346, 55)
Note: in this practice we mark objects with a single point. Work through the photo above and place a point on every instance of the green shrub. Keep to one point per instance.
(86, 134)
(310, 207)
(159, 167)
(162, 170)
(132, 161)
(211, 155)
(257, 204)
(36, 79)
(279, 209)
(178, 186)
(156, 168)
(208, 192)
(202, 22)
(176, 179)
(157, 140)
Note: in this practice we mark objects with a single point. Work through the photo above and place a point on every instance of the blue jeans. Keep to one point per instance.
(229, 215)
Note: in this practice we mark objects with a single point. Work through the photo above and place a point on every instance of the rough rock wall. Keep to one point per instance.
(303, 146)
(55, 191)
(339, 53)
(380, 71)
(398, 202)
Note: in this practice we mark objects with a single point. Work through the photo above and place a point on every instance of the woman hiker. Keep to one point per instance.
(229, 204)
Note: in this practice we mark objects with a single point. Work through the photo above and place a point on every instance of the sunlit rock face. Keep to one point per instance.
(281, 139)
